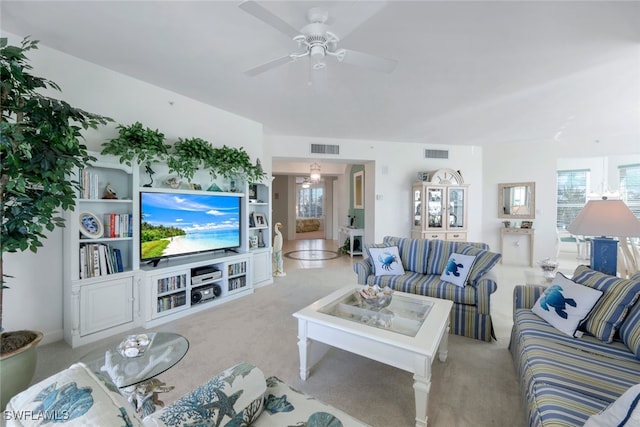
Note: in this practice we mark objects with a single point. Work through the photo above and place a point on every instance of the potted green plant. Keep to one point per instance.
(230, 162)
(40, 145)
(139, 143)
(188, 156)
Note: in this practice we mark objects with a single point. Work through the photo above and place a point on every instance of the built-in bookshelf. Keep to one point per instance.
(191, 284)
(259, 232)
(99, 273)
(101, 225)
(108, 290)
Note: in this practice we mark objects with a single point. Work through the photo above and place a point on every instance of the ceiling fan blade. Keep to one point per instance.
(351, 15)
(267, 17)
(362, 59)
(269, 65)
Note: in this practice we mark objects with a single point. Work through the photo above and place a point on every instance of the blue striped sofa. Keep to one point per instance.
(565, 380)
(424, 261)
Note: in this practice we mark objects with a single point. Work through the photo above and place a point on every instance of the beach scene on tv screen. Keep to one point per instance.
(177, 224)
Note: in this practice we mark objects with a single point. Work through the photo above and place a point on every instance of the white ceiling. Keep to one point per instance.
(475, 72)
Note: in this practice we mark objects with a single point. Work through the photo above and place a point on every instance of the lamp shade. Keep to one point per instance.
(611, 218)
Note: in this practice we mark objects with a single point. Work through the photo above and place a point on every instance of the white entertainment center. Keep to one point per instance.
(109, 290)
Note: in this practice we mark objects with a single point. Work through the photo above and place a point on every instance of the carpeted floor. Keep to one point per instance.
(476, 386)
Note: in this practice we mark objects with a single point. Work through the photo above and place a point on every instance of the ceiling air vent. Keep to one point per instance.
(436, 154)
(325, 149)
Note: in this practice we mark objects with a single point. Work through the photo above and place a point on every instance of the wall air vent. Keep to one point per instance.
(436, 154)
(325, 149)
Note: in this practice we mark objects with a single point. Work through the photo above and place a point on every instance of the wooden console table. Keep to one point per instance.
(518, 231)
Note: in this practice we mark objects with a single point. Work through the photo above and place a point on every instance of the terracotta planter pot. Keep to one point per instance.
(17, 367)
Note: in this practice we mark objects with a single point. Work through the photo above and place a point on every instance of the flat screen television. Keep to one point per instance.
(178, 224)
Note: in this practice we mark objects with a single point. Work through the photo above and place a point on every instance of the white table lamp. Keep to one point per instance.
(606, 218)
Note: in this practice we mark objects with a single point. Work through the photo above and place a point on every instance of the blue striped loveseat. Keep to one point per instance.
(424, 261)
(565, 380)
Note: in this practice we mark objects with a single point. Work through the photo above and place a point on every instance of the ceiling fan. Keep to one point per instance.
(315, 40)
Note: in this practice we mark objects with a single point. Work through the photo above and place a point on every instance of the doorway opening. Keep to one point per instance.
(310, 209)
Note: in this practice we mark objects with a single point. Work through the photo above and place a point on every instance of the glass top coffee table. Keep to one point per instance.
(407, 334)
(164, 351)
(404, 315)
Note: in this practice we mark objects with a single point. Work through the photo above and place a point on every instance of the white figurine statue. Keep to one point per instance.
(277, 251)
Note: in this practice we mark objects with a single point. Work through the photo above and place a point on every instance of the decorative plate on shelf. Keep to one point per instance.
(90, 225)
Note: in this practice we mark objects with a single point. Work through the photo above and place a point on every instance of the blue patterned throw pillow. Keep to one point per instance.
(564, 304)
(414, 253)
(458, 269)
(386, 261)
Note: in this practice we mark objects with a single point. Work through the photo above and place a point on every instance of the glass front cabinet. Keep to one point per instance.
(439, 211)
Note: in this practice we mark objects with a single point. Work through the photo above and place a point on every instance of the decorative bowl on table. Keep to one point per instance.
(549, 268)
(375, 297)
(134, 345)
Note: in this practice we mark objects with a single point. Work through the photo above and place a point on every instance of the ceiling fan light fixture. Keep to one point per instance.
(316, 54)
(317, 41)
(317, 51)
(339, 54)
(317, 63)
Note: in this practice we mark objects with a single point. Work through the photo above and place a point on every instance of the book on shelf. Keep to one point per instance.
(117, 225)
(237, 282)
(237, 268)
(171, 301)
(172, 283)
(99, 259)
(89, 184)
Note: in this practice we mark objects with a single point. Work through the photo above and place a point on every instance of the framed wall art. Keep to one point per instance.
(358, 190)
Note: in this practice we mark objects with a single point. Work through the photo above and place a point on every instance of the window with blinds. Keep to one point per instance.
(630, 187)
(572, 190)
(310, 202)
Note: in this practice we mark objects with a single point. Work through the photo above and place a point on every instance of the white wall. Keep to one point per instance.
(280, 203)
(538, 161)
(35, 298)
(390, 168)
(521, 162)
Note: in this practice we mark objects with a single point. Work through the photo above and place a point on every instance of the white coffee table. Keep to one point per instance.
(406, 334)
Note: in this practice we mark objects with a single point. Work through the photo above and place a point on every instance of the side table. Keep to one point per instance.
(134, 376)
(351, 232)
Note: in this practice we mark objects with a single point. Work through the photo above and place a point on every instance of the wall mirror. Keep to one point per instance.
(517, 200)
